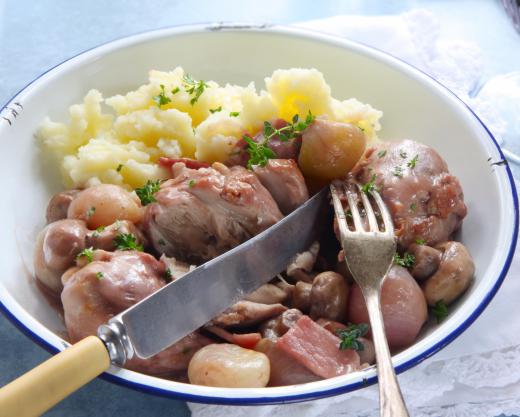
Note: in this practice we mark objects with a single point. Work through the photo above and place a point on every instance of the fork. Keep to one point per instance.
(369, 255)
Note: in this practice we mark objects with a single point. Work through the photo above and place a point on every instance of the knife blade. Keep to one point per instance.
(189, 302)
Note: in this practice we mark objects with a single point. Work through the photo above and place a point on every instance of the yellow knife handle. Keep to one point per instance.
(41, 388)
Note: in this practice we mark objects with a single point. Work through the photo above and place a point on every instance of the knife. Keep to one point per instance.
(147, 327)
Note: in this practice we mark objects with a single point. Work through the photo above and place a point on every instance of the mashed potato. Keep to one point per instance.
(119, 139)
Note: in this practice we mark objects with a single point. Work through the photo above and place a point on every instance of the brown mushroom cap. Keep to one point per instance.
(454, 275)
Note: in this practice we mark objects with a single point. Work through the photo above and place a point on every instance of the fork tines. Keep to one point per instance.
(364, 220)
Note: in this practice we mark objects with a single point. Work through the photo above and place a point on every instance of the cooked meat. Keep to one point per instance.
(176, 269)
(245, 340)
(284, 180)
(103, 238)
(200, 214)
(247, 313)
(427, 260)
(331, 325)
(267, 294)
(302, 265)
(105, 287)
(329, 296)
(454, 275)
(56, 249)
(285, 370)
(59, 204)
(317, 349)
(425, 200)
(402, 303)
(278, 326)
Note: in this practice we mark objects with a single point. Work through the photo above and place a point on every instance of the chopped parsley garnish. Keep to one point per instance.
(119, 167)
(407, 260)
(403, 154)
(420, 241)
(90, 212)
(412, 162)
(259, 153)
(191, 183)
(398, 172)
(146, 193)
(382, 153)
(87, 253)
(348, 214)
(234, 114)
(168, 275)
(175, 90)
(161, 242)
(349, 336)
(127, 241)
(186, 350)
(193, 87)
(413, 206)
(440, 310)
(219, 108)
(370, 185)
(161, 99)
(98, 231)
(100, 275)
(289, 131)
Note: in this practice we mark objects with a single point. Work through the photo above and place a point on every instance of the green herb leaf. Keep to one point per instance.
(412, 162)
(191, 183)
(168, 275)
(349, 336)
(87, 253)
(382, 153)
(193, 87)
(219, 108)
(440, 311)
(289, 131)
(420, 241)
(413, 206)
(146, 193)
(403, 154)
(119, 167)
(90, 212)
(234, 114)
(175, 90)
(259, 153)
(98, 231)
(407, 260)
(100, 275)
(398, 172)
(161, 99)
(370, 185)
(127, 241)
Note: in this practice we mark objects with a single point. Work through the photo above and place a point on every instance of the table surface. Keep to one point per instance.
(35, 36)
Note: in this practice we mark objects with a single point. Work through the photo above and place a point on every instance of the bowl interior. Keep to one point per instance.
(414, 107)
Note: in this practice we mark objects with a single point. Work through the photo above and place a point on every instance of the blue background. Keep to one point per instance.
(35, 36)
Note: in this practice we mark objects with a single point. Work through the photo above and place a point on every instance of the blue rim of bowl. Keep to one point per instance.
(284, 399)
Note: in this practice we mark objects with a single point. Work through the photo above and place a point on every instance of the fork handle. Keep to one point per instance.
(390, 396)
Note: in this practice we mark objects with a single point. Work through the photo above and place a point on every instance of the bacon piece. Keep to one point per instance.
(318, 349)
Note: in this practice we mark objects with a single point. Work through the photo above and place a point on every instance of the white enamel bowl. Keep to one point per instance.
(414, 106)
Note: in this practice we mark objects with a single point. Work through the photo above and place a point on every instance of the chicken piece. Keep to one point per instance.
(247, 313)
(278, 326)
(426, 202)
(111, 283)
(284, 180)
(300, 269)
(200, 214)
(103, 237)
(176, 269)
(56, 249)
(267, 294)
(285, 370)
(59, 204)
(317, 349)
(402, 303)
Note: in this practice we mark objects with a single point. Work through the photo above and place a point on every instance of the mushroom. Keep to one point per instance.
(301, 297)
(302, 265)
(59, 204)
(427, 260)
(329, 296)
(454, 275)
